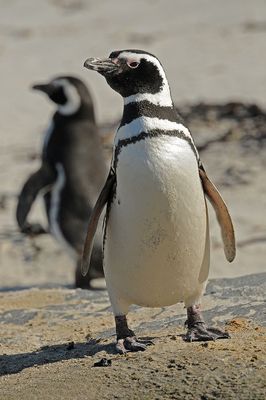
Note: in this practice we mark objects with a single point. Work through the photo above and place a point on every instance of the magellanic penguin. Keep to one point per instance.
(72, 172)
(156, 239)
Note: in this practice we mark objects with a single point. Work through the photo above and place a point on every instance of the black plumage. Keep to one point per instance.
(72, 172)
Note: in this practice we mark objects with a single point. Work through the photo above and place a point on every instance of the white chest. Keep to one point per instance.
(157, 227)
(54, 210)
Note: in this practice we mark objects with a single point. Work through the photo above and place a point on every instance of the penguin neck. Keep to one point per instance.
(145, 108)
(151, 105)
(83, 111)
(161, 98)
(145, 116)
(69, 108)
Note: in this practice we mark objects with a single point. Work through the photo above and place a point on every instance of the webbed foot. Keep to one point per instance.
(131, 343)
(126, 338)
(33, 229)
(200, 333)
(197, 331)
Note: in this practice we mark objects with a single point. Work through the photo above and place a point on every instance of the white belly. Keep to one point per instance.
(157, 240)
(54, 211)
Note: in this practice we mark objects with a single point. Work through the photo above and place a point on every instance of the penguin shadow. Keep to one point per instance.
(15, 363)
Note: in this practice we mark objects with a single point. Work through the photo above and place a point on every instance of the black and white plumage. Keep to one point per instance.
(156, 240)
(72, 172)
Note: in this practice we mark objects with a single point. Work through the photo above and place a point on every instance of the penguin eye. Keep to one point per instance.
(133, 64)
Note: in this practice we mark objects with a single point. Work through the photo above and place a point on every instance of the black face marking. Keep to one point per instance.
(55, 91)
(143, 77)
(152, 134)
(58, 95)
(146, 109)
(81, 88)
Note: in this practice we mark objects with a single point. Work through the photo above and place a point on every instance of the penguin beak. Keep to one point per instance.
(103, 66)
(47, 88)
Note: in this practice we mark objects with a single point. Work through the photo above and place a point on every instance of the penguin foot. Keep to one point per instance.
(200, 333)
(126, 338)
(81, 282)
(197, 329)
(33, 229)
(131, 344)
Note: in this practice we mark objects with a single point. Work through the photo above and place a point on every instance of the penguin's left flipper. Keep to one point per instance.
(44, 177)
(222, 215)
(94, 220)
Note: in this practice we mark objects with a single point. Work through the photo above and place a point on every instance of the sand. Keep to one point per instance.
(72, 330)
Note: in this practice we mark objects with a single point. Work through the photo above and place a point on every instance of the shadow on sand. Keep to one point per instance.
(14, 363)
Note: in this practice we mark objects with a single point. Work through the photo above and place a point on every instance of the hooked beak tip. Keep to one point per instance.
(89, 63)
(103, 66)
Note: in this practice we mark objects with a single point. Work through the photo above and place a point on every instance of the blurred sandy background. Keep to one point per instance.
(212, 51)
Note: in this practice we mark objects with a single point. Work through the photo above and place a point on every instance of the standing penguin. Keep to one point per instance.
(156, 239)
(72, 172)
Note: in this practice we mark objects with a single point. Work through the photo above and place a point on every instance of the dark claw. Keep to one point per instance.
(146, 342)
(200, 333)
(131, 344)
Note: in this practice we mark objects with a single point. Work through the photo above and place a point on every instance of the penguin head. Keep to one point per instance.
(69, 94)
(131, 73)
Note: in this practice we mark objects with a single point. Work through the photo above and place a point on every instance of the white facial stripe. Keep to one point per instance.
(146, 124)
(163, 98)
(73, 98)
(47, 136)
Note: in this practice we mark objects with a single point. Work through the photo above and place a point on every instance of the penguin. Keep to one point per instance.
(72, 171)
(156, 235)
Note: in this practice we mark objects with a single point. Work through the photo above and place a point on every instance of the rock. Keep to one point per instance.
(104, 362)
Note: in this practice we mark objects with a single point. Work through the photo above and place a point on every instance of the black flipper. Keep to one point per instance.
(44, 177)
(222, 215)
(94, 220)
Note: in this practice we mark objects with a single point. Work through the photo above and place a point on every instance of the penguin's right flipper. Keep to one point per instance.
(94, 219)
(44, 177)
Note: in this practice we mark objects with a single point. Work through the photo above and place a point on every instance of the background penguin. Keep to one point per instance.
(73, 170)
(156, 240)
